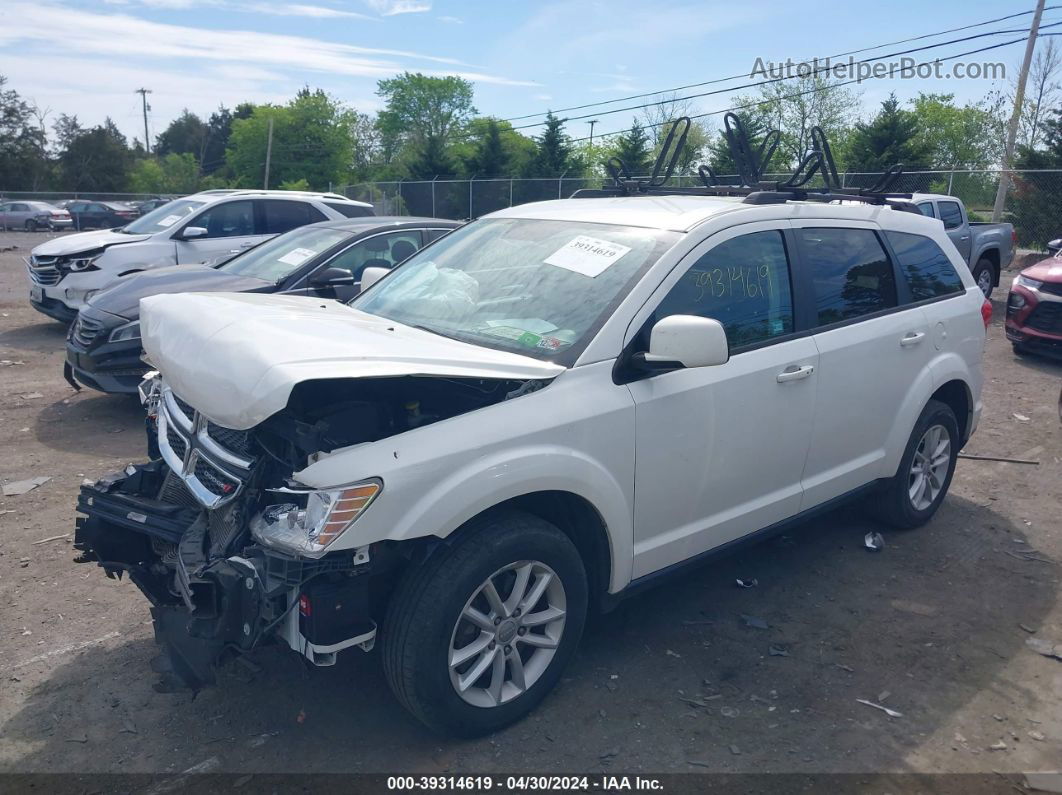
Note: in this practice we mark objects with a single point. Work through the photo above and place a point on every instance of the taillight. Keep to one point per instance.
(305, 608)
(1014, 237)
(986, 312)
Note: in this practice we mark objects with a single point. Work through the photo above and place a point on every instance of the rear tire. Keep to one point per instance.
(31, 225)
(984, 274)
(912, 496)
(427, 629)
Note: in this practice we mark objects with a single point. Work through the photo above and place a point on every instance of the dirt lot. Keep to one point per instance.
(935, 627)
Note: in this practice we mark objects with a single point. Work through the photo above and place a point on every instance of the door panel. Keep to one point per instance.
(855, 288)
(229, 226)
(720, 450)
(955, 225)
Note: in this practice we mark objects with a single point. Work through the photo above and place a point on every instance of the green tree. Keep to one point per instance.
(169, 174)
(23, 155)
(489, 158)
(632, 147)
(420, 120)
(891, 137)
(311, 141)
(795, 106)
(1035, 200)
(963, 137)
(185, 134)
(554, 154)
(757, 124)
(93, 159)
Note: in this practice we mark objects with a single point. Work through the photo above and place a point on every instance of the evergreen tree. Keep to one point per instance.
(633, 149)
(554, 155)
(489, 159)
(890, 138)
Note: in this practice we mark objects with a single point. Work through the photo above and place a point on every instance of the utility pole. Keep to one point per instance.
(592, 122)
(1015, 116)
(269, 152)
(143, 92)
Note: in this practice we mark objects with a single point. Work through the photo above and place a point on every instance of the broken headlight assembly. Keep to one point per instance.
(308, 531)
(130, 331)
(79, 263)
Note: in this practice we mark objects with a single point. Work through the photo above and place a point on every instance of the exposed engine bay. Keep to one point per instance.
(230, 550)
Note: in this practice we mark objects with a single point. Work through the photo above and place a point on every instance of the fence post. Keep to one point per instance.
(560, 184)
(470, 181)
(951, 178)
(844, 177)
(510, 191)
(433, 214)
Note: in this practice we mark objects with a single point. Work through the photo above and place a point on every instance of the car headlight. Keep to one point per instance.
(1025, 281)
(130, 331)
(309, 530)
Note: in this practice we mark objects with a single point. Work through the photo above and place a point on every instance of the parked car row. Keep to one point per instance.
(536, 413)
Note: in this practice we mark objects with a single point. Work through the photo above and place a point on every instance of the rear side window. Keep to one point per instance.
(926, 208)
(349, 210)
(950, 214)
(850, 272)
(279, 216)
(926, 267)
(744, 284)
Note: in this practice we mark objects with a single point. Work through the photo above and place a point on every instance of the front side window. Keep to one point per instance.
(744, 284)
(380, 251)
(927, 268)
(230, 219)
(159, 219)
(279, 216)
(950, 214)
(280, 257)
(850, 272)
(535, 287)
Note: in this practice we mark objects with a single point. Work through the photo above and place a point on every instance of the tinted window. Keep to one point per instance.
(950, 214)
(19, 207)
(434, 234)
(349, 210)
(281, 216)
(381, 251)
(230, 219)
(850, 272)
(926, 208)
(744, 284)
(927, 268)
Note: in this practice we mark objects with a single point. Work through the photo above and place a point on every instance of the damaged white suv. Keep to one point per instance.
(529, 418)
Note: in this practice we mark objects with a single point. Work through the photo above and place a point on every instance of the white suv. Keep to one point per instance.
(532, 416)
(65, 271)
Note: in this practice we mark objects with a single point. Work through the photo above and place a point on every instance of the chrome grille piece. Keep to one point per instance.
(212, 461)
(42, 270)
(85, 330)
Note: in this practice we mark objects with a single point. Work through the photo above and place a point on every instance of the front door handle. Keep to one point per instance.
(912, 338)
(795, 373)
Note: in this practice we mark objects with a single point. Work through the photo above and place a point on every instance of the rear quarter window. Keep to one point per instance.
(925, 266)
(349, 210)
(850, 272)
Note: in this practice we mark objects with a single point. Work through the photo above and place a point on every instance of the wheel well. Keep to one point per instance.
(992, 255)
(578, 520)
(956, 395)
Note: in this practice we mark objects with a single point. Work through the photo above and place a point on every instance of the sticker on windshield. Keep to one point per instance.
(169, 220)
(297, 256)
(589, 256)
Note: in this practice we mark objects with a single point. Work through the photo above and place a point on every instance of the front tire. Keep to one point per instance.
(476, 636)
(31, 225)
(984, 274)
(913, 495)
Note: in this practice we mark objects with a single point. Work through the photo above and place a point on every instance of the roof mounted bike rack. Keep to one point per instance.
(751, 163)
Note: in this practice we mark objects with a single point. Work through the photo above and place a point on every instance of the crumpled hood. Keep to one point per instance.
(84, 241)
(123, 298)
(1046, 270)
(236, 357)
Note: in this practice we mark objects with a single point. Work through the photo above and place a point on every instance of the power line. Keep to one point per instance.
(812, 72)
(736, 77)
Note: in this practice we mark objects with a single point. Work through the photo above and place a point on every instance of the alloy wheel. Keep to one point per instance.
(929, 469)
(507, 634)
(984, 281)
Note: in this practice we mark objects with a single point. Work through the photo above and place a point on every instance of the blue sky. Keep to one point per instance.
(88, 57)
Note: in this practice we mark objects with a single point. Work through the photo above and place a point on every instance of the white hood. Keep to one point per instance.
(83, 241)
(236, 356)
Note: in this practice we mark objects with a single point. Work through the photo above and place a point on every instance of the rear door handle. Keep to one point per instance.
(912, 338)
(795, 373)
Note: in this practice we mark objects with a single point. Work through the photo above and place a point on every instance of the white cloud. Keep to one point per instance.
(299, 10)
(451, 20)
(390, 8)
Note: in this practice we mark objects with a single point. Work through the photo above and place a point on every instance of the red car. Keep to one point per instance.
(1034, 306)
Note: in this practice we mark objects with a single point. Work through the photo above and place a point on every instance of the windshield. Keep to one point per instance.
(162, 217)
(539, 288)
(278, 258)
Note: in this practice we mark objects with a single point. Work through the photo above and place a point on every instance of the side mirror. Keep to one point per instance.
(370, 276)
(192, 232)
(1054, 246)
(688, 340)
(332, 277)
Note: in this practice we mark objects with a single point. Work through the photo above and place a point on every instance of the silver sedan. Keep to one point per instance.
(33, 215)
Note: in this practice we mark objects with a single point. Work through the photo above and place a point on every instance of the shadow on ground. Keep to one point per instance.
(932, 619)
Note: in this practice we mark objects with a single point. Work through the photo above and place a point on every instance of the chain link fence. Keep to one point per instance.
(1034, 202)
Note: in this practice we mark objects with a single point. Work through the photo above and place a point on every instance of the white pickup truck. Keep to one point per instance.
(987, 248)
(530, 418)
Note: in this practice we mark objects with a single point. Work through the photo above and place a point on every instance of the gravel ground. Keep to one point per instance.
(934, 627)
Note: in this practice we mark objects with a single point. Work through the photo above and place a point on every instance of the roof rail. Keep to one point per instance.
(751, 162)
(267, 192)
